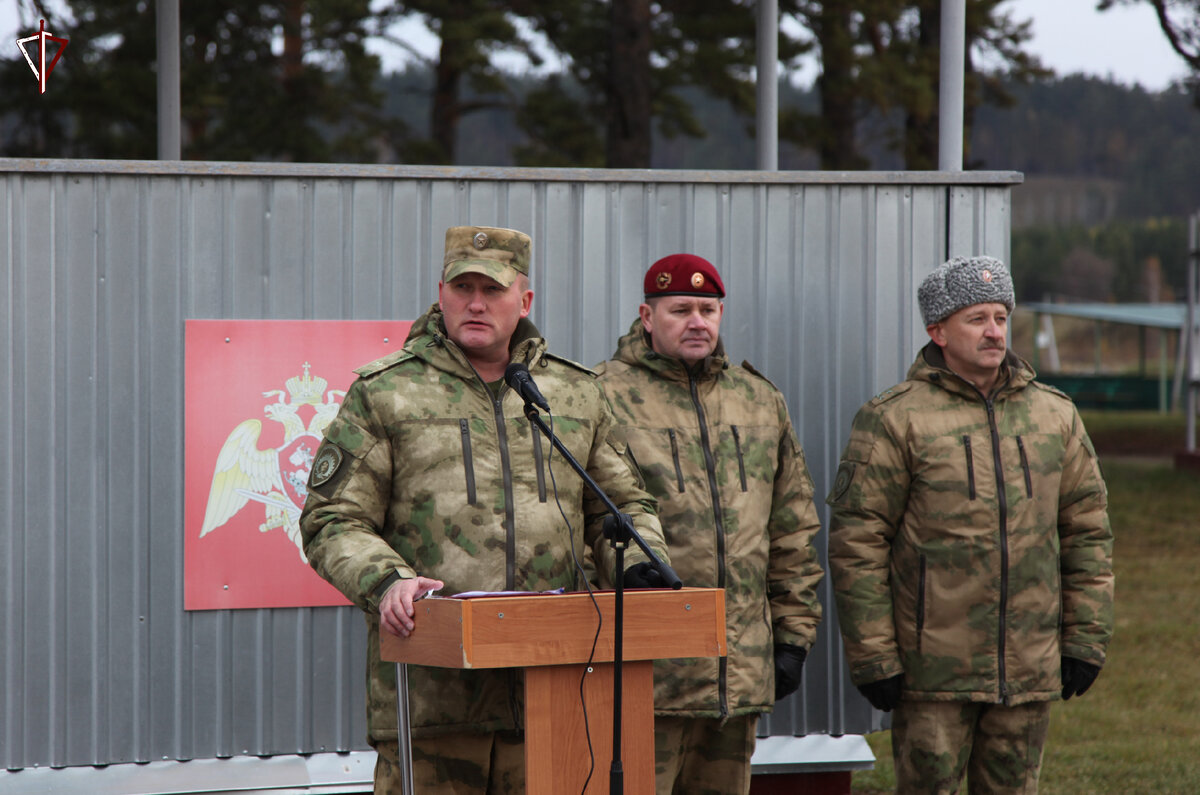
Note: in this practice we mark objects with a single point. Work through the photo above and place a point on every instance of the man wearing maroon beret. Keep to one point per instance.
(716, 447)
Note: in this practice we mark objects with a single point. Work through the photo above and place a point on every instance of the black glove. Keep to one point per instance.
(789, 663)
(642, 575)
(884, 694)
(1077, 676)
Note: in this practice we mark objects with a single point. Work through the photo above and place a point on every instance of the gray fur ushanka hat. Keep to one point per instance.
(961, 282)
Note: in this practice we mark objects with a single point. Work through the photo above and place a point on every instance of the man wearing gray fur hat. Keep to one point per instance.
(970, 548)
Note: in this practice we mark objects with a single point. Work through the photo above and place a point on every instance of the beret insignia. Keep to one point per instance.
(683, 274)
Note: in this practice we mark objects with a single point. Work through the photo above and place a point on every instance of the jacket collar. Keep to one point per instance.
(930, 366)
(427, 340)
(635, 350)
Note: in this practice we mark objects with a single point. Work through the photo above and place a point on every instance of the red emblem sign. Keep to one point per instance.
(259, 395)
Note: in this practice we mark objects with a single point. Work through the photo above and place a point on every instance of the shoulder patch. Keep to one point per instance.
(563, 360)
(841, 483)
(1053, 390)
(329, 470)
(891, 393)
(326, 465)
(379, 365)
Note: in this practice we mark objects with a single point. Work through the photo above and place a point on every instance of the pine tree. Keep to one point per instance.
(283, 80)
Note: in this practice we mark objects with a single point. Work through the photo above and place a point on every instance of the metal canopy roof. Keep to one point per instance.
(1170, 316)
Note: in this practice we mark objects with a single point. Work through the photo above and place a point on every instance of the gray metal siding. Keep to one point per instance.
(102, 262)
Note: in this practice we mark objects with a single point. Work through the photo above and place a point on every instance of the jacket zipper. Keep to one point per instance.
(675, 458)
(1025, 468)
(510, 523)
(510, 552)
(468, 464)
(1002, 503)
(711, 468)
(921, 603)
(737, 444)
(970, 467)
(537, 461)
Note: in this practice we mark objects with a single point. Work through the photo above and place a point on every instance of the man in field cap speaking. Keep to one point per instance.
(431, 477)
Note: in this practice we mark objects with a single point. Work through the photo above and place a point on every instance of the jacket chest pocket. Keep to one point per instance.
(464, 429)
(662, 458)
(1025, 467)
(956, 471)
(747, 455)
(741, 460)
(538, 461)
(1033, 465)
(435, 456)
(969, 453)
(674, 437)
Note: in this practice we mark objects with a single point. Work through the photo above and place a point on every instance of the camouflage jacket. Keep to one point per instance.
(970, 546)
(717, 450)
(424, 471)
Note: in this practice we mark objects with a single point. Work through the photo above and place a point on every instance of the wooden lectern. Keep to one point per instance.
(550, 636)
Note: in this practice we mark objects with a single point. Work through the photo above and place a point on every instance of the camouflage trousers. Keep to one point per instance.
(998, 747)
(456, 764)
(703, 756)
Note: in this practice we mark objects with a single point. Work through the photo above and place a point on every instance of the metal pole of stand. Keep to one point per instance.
(1189, 338)
(616, 771)
(404, 733)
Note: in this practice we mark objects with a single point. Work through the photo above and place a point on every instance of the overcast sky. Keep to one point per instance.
(1125, 43)
(1070, 36)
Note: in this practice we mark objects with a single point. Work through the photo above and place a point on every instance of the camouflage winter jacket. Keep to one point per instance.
(718, 452)
(425, 472)
(970, 546)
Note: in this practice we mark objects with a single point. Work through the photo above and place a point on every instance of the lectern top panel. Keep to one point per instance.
(537, 629)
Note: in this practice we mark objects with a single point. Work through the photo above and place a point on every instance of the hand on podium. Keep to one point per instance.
(396, 606)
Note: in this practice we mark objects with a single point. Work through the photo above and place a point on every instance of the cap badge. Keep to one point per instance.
(663, 280)
(697, 280)
(480, 240)
(986, 275)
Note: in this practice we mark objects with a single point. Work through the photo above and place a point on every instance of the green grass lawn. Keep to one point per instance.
(1135, 432)
(1138, 729)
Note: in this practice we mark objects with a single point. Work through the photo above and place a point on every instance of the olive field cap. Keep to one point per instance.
(499, 254)
(962, 282)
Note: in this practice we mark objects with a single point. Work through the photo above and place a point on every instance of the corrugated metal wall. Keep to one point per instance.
(101, 263)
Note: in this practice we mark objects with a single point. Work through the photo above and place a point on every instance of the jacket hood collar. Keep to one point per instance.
(635, 350)
(930, 366)
(427, 340)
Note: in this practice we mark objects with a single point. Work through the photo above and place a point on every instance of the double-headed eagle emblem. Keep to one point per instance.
(275, 478)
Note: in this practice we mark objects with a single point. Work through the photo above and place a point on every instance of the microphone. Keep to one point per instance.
(517, 376)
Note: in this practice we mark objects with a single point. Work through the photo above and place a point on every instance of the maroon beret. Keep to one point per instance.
(683, 274)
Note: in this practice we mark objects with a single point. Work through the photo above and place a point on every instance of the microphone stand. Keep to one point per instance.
(619, 530)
